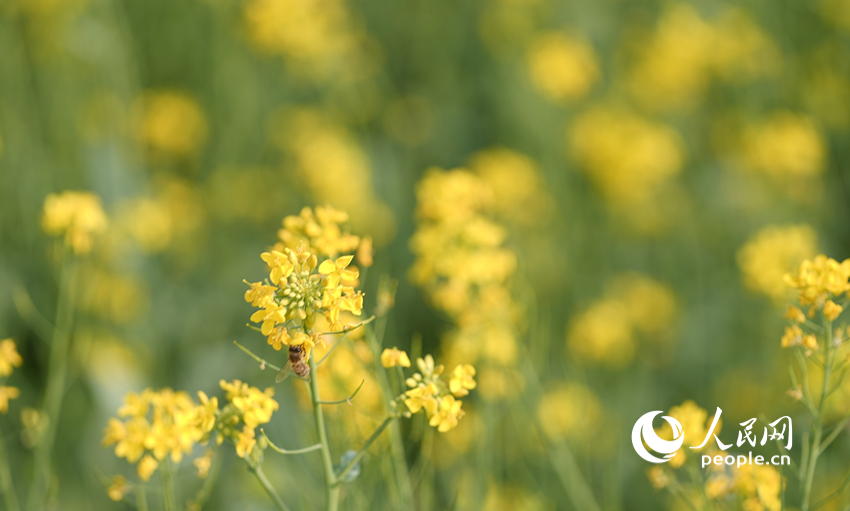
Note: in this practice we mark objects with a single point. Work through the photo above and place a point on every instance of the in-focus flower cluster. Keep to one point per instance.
(248, 408)
(78, 216)
(300, 287)
(9, 360)
(436, 395)
(821, 283)
(155, 424)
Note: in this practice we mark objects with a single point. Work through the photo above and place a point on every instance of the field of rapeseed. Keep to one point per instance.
(495, 255)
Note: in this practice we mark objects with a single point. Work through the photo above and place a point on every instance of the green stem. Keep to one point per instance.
(9, 496)
(275, 448)
(346, 400)
(402, 471)
(263, 362)
(331, 488)
(267, 485)
(55, 391)
(141, 498)
(351, 464)
(815, 450)
(167, 485)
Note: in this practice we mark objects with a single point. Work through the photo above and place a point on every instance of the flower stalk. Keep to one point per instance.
(816, 448)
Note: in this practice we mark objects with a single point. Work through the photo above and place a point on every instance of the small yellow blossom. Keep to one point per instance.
(462, 379)
(260, 294)
(792, 337)
(118, 487)
(245, 442)
(78, 216)
(422, 398)
(659, 477)
(832, 310)
(771, 253)
(170, 123)
(269, 316)
(278, 338)
(203, 464)
(147, 466)
(447, 415)
(364, 252)
(9, 357)
(795, 314)
(7, 393)
(810, 342)
(394, 357)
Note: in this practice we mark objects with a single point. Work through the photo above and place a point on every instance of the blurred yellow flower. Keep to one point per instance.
(158, 424)
(118, 487)
(203, 464)
(147, 466)
(76, 215)
(7, 393)
(569, 410)
(771, 253)
(562, 66)
(832, 310)
(602, 334)
(784, 145)
(627, 157)
(170, 123)
(9, 357)
(793, 336)
(245, 442)
(795, 314)
(394, 357)
(462, 380)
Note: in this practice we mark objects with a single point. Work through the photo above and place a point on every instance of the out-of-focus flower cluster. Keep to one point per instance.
(77, 216)
(9, 360)
(632, 160)
(331, 164)
(634, 306)
(155, 424)
(771, 253)
(430, 392)
(299, 287)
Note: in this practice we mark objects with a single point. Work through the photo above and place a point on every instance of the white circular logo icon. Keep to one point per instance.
(644, 433)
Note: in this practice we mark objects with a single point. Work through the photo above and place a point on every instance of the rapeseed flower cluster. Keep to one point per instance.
(9, 360)
(76, 216)
(333, 166)
(248, 408)
(674, 65)
(771, 253)
(752, 487)
(154, 425)
(170, 124)
(436, 395)
(634, 306)
(562, 66)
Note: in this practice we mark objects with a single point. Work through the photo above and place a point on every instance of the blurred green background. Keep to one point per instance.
(657, 167)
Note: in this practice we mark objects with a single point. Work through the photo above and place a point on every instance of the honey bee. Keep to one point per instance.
(295, 364)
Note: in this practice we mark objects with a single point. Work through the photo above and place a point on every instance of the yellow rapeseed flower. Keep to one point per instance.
(394, 357)
(819, 279)
(7, 393)
(78, 216)
(9, 357)
(832, 310)
(462, 380)
(447, 415)
(147, 466)
(203, 464)
(771, 253)
(245, 442)
(170, 123)
(562, 67)
(118, 487)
